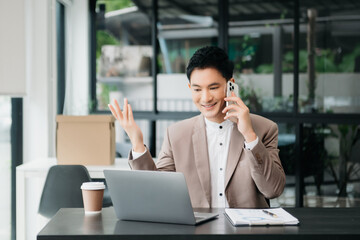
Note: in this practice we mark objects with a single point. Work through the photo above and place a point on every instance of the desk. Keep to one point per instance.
(27, 205)
(315, 223)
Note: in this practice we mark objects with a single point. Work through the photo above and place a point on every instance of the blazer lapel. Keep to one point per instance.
(235, 150)
(201, 156)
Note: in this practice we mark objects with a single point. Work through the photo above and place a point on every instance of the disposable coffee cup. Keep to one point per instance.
(93, 193)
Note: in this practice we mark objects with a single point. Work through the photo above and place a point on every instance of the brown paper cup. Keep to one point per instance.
(93, 193)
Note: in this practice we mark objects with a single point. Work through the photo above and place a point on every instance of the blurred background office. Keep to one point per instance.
(297, 63)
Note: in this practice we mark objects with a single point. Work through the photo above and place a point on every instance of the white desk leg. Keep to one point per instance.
(20, 205)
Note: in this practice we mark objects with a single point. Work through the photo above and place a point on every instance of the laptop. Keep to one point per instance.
(152, 196)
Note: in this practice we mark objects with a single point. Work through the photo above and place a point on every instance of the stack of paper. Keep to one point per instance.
(271, 216)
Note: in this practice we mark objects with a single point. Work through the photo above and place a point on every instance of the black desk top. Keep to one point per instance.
(315, 223)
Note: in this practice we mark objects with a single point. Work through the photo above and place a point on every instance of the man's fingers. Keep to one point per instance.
(235, 99)
(118, 110)
(240, 102)
(231, 107)
(131, 117)
(113, 111)
(231, 114)
(126, 109)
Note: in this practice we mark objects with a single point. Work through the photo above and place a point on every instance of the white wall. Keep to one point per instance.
(40, 93)
(12, 48)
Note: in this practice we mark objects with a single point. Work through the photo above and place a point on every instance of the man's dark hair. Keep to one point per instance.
(211, 57)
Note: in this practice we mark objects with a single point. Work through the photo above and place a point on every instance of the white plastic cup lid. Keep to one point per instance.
(93, 186)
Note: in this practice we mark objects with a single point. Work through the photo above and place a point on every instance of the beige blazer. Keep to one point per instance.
(250, 176)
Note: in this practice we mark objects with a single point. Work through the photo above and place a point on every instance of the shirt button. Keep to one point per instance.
(220, 127)
(220, 169)
(220, 194)
(220, 144)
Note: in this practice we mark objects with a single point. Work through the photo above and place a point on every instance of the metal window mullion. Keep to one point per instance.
(92, 59)
(296, 56)
(299, 178)
(223, 26)
(60, 32)
(154, 68)
(16, 154)
(277, 59)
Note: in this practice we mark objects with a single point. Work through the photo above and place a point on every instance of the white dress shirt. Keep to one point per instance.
(218, 141)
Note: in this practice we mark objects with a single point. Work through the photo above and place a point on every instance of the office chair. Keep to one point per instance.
(62, 189)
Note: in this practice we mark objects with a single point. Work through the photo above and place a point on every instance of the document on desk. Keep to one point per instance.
(269, 216)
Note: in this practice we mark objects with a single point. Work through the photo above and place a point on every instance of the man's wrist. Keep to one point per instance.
(140, 148)
(251, 145)
(250, 137)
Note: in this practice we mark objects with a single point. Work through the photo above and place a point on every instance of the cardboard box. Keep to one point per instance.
(85, 140)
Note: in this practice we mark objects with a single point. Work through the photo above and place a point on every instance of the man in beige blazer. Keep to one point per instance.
(247, 150)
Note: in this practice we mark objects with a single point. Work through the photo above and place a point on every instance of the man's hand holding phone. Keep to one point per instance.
(127, 122)
(238, 112)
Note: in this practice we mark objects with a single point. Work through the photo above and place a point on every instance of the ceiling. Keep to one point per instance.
(244, 10)
(185, 14)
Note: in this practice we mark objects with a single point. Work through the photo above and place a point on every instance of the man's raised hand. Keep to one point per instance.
(242, 113)
(127, 122)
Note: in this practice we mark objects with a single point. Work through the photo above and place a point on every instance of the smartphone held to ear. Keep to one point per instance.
(231, 87)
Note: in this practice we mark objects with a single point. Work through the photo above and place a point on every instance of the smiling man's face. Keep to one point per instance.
(208, 89)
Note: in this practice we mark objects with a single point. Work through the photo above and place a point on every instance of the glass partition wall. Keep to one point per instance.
(296, 63)
(329, 83)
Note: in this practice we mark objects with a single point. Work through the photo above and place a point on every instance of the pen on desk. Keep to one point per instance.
(270, 213)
